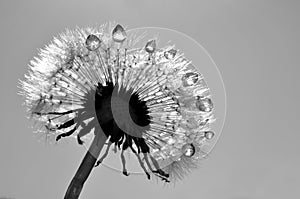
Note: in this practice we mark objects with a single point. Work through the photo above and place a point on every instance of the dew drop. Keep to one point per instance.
(209, 135)
(190, 79)
(92, 42)
(204, 104)
(170, 54)
(118, 34)
(150, 46)
(188, 150)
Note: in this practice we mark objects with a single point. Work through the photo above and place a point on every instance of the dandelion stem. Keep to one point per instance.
(86, 167)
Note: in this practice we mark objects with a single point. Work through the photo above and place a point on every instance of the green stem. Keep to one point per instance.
(85, 167)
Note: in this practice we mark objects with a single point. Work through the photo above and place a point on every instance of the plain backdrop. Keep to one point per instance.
(255, 44)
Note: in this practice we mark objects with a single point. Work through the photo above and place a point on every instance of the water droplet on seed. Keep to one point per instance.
(190, 79)
(188, 150)
(150, 46)
(170, 54)
(204, 104)
(92, 42)
(209, 135)
(119, 34)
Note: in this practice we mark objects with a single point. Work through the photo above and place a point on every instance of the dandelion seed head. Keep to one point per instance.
(71, 85)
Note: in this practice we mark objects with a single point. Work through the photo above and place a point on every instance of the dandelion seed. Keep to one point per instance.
(82, 83)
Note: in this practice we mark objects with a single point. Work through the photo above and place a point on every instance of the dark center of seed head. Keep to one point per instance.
(120, 112)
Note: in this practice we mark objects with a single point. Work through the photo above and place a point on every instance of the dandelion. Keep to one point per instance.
(148, 100)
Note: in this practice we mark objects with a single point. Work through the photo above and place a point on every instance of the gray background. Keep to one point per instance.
(254, 43)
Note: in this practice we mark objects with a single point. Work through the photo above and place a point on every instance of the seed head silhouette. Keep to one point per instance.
(148, 100)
